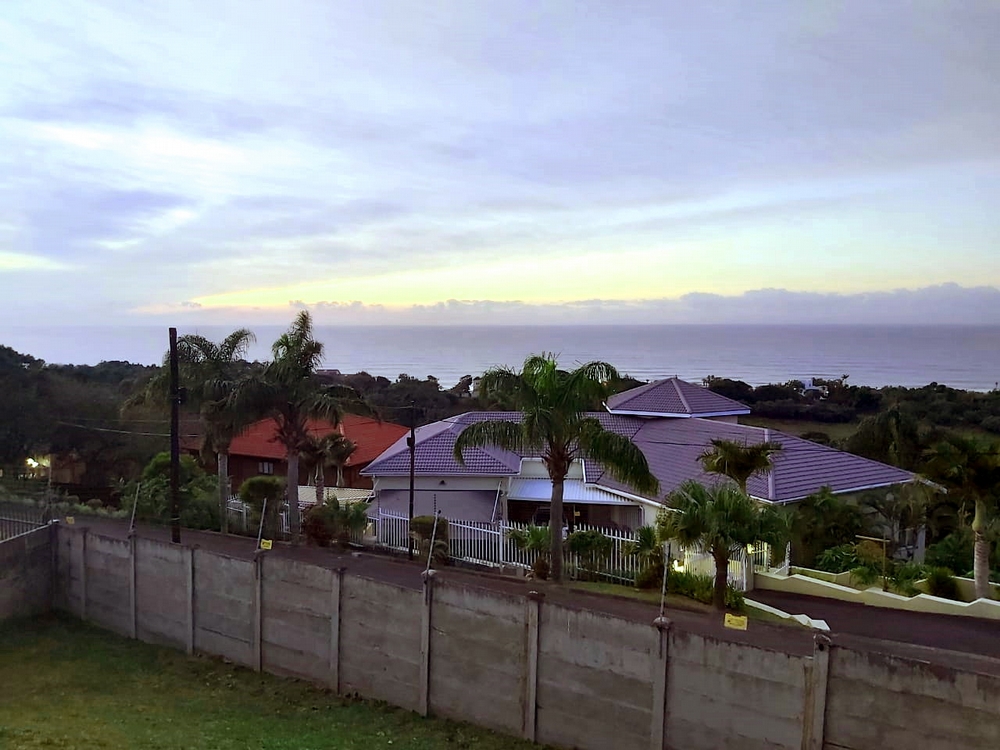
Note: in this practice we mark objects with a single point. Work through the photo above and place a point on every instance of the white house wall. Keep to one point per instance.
(434, 484)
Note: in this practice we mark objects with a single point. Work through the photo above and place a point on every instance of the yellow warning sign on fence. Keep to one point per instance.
(70, 520)
(265, 544)
(736, 622)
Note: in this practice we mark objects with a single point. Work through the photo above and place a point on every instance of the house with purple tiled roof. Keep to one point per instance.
(672, 421)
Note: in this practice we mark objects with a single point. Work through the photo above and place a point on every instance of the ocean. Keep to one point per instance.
(959, 356)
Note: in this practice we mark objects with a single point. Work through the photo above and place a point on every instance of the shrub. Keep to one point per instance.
(941, 582)
(261, 491)
(592, 548)
(954, 552)
(320, 524)
(903, 577)
(540, 568)
(701, 588)
(991, 424)
(95, 503)
(650, 577)
(422, 528)
(839, 559)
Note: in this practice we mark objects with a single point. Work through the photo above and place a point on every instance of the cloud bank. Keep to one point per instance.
(944, 304)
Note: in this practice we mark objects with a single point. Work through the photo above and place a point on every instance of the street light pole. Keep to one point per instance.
(411, 441)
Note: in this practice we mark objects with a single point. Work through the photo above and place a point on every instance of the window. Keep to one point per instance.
(265, 467)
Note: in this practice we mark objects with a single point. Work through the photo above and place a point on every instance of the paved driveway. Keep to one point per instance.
(967, 634)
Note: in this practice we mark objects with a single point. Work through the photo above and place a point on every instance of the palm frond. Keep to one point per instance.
(619, 455)
(501, 433)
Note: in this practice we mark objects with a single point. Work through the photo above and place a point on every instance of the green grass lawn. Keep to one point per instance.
(64, 684)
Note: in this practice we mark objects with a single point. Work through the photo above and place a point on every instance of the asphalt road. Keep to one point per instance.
(963, 642)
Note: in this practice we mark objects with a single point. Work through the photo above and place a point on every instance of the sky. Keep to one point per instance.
(518, 161)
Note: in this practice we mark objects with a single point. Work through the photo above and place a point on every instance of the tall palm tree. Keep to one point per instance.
(209, 371)
(555, 423)
(973, 473)
(319, 453)
(738, 461)
(721, 520)
(288, 391)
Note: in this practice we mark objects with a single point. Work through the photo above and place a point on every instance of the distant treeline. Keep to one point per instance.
(78, 409)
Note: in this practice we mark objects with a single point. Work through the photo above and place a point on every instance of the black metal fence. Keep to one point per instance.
(18, 518)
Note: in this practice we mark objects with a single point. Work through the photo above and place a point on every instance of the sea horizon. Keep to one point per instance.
(961, 356)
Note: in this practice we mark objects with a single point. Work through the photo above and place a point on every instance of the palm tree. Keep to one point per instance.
(721, 520)
(555, 424)
(973, 473)
(287, 391)
(738, 461)
(209, 372)
(318, 453)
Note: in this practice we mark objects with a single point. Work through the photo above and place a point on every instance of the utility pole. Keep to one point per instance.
(175, 446)
(411, 441)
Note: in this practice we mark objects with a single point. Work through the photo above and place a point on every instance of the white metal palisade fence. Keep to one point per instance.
(489, 544)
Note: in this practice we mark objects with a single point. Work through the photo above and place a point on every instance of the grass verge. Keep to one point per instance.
(70, 685)
(674, 601)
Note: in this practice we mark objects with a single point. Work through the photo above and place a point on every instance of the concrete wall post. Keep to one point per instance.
(189, 583)
(423, 701)
(817, 678)
(335, 597)
(54, 564)
(533, 607)
(258, 590)
(658, 727)
(82, 554)
(133, 622)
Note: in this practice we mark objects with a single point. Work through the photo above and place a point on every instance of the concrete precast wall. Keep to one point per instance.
(478, 639)
(163, 596)
(516, 664)
(885, 702)
(69, 570)
(109, 589)
(380, 641)
(224, 609)
(26, 573)
(595, 680)
(295, 619)
(727, 694)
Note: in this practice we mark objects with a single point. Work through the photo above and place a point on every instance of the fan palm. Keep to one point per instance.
(320, 452)
(721, 520)
(555, 423)
(973, 473)
(287, 391)
(738, 461)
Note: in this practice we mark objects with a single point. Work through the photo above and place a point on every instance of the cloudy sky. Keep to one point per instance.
(214, 161)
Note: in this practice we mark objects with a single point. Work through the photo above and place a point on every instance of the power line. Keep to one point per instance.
(121, 432)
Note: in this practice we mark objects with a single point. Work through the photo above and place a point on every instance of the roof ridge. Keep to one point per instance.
(676, 383)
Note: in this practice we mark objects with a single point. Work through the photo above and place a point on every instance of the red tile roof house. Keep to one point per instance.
(672, 422)
(257, 451)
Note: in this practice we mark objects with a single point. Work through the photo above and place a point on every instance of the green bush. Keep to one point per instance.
(264, 494)
(941, 582)
(422, 529)
(321, 523)
(839, 559)
(955, 551)
(197, 495)
(903, 577)
(330, 521)
(701, 588)
(650, 577)
(593, 550)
